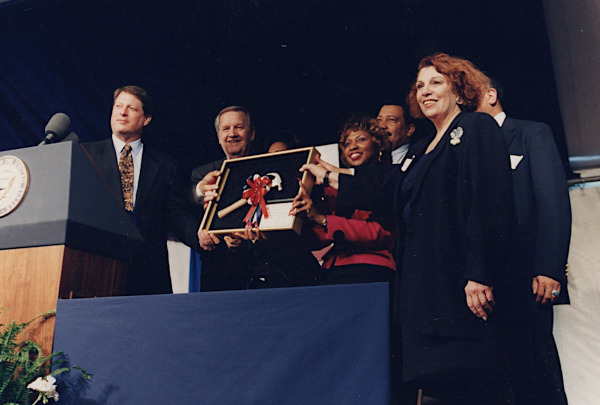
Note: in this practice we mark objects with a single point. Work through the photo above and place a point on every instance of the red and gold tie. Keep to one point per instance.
(126, 170)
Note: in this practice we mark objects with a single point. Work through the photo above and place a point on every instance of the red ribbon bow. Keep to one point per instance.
(255, 196)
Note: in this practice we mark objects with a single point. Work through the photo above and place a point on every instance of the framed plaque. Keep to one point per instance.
(259, 190)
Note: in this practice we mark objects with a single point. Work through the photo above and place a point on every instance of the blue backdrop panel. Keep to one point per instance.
(309, 345)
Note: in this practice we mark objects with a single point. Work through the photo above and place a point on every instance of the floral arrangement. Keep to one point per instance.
(25, 371)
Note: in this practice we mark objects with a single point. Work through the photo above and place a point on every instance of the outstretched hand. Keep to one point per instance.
(316, 170)
(207, 187)
(321, 169)
(330, 167)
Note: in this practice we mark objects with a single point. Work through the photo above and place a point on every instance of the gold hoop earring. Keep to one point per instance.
(459, 100)
(380, 155)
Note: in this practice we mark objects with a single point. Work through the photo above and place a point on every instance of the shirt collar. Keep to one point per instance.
(136, 145)
(500, 118)
(399, 153)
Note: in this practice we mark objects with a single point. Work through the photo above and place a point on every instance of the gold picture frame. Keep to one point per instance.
(230, 211)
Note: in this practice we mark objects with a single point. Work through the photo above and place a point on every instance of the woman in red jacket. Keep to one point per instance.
(362, 240)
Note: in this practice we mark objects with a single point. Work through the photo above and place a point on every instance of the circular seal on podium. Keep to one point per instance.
(14, 183)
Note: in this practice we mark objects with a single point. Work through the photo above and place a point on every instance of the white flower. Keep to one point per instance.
(455, 136)
(46, 387)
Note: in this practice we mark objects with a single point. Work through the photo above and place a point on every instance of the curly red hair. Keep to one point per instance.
(467, 81)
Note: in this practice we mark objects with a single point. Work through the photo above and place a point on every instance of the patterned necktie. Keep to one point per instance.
(126, 170)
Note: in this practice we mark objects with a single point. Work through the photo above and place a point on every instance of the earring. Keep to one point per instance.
(459, 100)
(380, 154)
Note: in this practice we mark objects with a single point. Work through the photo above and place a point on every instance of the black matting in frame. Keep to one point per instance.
(235, 173)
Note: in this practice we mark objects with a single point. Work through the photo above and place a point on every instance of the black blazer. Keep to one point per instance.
(459, 221)
(460, 224)
(199, 172)
(461, 210)
(462, 196)
(160, 206)
(542, 201)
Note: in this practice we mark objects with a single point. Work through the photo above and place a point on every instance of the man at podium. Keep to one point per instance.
(147, 185)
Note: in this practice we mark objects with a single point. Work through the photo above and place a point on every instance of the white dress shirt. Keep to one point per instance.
(399, 153)
(500, 118)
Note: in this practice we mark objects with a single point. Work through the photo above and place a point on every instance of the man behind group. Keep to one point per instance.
(147, 185)
(399, 126)
(249, 259)
(544, 225)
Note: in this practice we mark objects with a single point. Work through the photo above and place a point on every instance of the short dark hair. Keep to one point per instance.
(408, 119)
(141, 94)
(499, 90)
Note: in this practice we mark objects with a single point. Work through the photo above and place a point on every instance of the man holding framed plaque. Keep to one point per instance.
(240, 256)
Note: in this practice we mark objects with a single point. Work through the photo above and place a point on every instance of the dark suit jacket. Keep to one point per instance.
(199, 172)
(460, 222)
(160, 206)
(542, 201)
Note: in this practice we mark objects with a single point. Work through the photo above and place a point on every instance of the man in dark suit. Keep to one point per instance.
(399, 127)
(249, 259)
(544, 232)
(153, 196)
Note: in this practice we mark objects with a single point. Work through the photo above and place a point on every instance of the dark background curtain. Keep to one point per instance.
(302, 67)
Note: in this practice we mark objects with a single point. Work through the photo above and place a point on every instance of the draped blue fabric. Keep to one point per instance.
(310, 345)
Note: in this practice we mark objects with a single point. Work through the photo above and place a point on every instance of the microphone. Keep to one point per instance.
(57, 128)
(71, 137)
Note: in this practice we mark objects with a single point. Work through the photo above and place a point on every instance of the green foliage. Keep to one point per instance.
(22, 362)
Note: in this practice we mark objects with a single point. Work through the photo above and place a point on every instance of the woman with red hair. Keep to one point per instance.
(460, 304)
(462, 308)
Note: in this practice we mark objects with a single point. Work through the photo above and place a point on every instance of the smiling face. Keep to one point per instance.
(234, 134)
(127, 119)
(435, 96)
(360, 149)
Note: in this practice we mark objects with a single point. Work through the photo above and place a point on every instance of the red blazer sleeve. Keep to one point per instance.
(358, 231)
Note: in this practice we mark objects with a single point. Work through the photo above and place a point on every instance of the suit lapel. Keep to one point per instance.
(431, 156)
(509, 130)
(148, 173)
(107, 162)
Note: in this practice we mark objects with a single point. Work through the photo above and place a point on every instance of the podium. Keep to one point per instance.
(66, 238)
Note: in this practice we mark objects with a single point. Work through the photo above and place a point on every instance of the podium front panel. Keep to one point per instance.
(67, 203)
